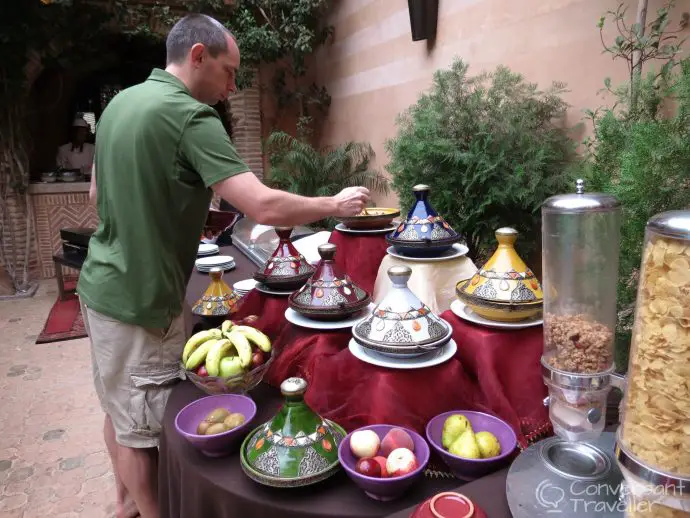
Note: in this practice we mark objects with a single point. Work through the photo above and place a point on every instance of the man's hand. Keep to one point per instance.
(351, 201)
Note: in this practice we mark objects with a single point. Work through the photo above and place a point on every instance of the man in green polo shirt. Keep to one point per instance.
(161, 152)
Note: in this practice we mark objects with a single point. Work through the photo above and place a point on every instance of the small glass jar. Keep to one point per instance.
(580, 247)
(655, 426)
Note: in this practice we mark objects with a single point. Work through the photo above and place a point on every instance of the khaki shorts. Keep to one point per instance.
(134, 370)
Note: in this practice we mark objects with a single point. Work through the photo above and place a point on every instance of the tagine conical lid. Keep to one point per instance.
(286, 268)
(295, 448)
(329, 292)
(504, 289)
(423, 226)
(219, 299)
(401, 320)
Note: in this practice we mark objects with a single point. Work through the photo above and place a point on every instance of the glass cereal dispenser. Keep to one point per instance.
(653, 440)
(580, 248)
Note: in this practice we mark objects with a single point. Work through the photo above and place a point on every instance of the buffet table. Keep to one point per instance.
(493, 371)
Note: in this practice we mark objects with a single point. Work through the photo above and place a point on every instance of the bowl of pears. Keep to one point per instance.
(472, 444)
(215, 425)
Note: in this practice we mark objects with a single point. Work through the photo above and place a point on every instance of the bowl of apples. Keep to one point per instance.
(472, 444)
(231, 359)
(384, 460)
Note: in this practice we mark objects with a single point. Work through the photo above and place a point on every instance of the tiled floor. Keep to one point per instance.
(53, 460)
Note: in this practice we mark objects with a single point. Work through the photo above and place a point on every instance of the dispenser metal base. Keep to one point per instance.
(557, 478)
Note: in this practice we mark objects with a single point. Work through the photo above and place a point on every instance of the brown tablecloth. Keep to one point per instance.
(192, 485)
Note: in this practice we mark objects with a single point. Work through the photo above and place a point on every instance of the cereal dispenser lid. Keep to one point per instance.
(581, 202)
(675, 223)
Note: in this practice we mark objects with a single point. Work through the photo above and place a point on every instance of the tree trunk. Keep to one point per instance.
(642, 22)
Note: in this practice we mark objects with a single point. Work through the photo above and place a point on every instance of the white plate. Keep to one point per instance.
(215, 260)
(342, 228)
(459, 308)
(458, 250)
(244, 285)
(222, 268)
(300, 320)
(264, 289)
(437, 357)
(206, 248)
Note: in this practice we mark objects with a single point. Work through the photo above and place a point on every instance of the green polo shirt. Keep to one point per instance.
(158, 151)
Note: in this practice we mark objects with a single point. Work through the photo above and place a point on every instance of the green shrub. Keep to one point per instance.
(492, 149)
(299, 168)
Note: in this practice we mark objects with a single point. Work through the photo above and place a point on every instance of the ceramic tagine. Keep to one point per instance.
(329, 294)
(371, 218)
(401, 325)
(286, 269)
(424, 232)
(218, 299)
(504, 289)
(296, 448)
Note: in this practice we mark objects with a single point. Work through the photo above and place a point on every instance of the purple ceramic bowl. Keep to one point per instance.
(470, 469)
(384, 489)
(188, 419)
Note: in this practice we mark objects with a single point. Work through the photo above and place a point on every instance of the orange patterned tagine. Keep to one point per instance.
(286, 269)
(329, 294)
(218, 300)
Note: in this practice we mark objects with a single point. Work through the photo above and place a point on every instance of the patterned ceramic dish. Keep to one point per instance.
(401, 325)
(286, 269)
(371, 218)
(424, 232)
(329, 294)
(296, 448)
(218, 299)
(504, 289)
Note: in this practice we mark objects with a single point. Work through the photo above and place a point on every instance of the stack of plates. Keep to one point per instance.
(206, 264)
(207, 249)
(243, 287)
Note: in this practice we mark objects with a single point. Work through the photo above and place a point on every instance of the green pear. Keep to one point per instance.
(465, 446)
(230, 366)
(453, 427)
(488, 444)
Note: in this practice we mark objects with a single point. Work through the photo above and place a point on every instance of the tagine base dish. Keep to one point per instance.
(288, 482)
(270, 291)
(430, 359)
(422, 248)
(340, 227)
(300, 320)
(277, 284)
(457, 250)
(501, 311)
(463, 311)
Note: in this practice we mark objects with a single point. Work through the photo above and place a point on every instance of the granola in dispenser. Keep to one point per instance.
(656, 419)
(579, 344)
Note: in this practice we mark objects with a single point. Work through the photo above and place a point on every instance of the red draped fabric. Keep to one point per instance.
(494, 371)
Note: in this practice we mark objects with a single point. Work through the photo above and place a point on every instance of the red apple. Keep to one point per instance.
(364, 443)
(394, 439)
(257, 358)
(382, 463)
(368, 467)
(401, 462)
(201, 371)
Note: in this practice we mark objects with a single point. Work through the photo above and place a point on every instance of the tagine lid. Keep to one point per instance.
(295, 448)
(401, 319)
(329, 289)
(219, 299)
(423, 224)
(285, 262)
(505, 277)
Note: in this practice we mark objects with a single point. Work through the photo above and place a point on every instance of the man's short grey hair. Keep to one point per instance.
(193, 29)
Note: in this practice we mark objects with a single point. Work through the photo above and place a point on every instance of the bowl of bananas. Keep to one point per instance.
(230, 359)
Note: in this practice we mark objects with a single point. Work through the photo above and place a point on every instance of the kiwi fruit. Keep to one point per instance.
(216, 428)
(234, 420)
(218, 415)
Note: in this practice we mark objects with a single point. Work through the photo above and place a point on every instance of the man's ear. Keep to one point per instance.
(197, 54)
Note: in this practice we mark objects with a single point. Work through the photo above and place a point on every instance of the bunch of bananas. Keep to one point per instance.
(229, 351)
